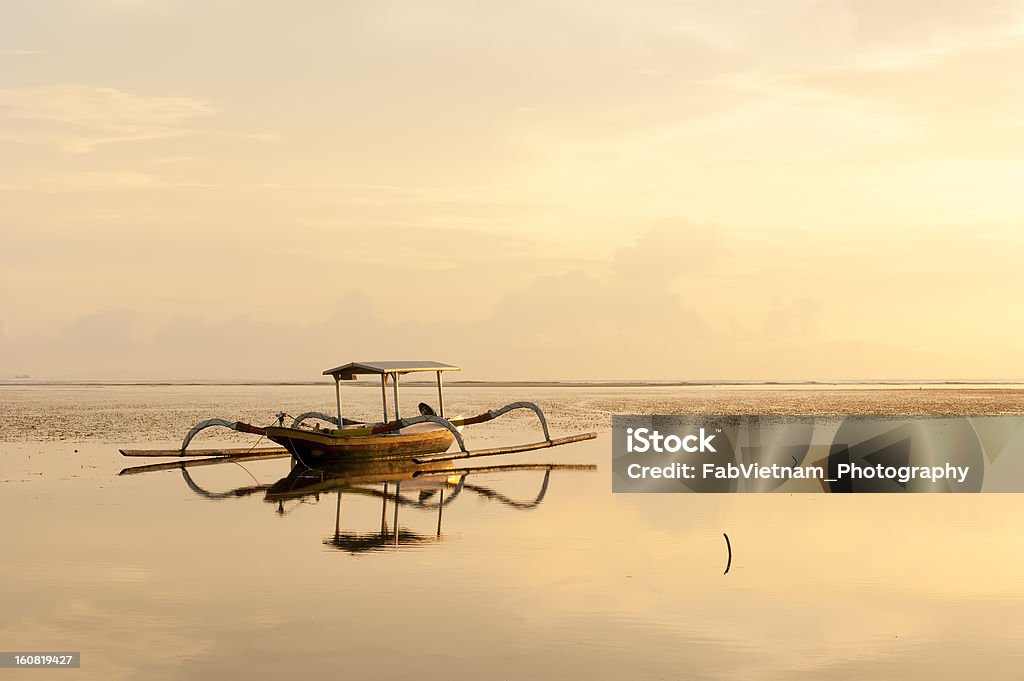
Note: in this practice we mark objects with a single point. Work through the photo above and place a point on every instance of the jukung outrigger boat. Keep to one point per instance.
(421, 439)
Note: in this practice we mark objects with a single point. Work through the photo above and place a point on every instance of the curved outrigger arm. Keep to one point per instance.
(312, 415)
(242, 427)
(455, 424)
(495, 413)
(209, 423)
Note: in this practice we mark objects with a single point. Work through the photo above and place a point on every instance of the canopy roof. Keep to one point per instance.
(348, 372)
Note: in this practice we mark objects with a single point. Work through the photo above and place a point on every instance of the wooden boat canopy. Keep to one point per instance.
(350, 371)
(392, 369)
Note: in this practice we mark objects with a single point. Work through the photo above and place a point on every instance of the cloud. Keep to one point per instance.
(671, 249)
(161, 6)
(555, 319)
(907, 20)
(603, 320)
(795, 319)
(108, 334)
(977, 82)
(78, 118)
(963, 104)
(574, 326)
(57, 183)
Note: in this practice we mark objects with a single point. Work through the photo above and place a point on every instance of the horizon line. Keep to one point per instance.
(27, 381)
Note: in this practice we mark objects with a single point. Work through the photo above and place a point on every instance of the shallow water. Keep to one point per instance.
(150, 580)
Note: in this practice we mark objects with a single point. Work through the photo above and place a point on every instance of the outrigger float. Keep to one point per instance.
(421, 439)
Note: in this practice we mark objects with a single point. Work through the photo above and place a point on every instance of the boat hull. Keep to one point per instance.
(317, 446)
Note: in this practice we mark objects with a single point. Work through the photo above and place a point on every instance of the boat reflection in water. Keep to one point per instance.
(399, 485)
(415, 489)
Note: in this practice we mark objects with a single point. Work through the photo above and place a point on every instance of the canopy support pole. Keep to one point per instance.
(337, 392)
(394, 377)
(440, 397)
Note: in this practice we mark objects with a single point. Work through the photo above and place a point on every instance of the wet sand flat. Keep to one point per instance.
(149, 579)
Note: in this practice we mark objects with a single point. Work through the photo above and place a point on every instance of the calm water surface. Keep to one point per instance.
(151, 579)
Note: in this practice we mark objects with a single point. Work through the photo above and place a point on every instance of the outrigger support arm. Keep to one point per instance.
(208, 423)
(314, 415)
(495, 413)
(468, 420)
(454, 424)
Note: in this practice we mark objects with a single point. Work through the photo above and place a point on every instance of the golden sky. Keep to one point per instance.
(792, 189)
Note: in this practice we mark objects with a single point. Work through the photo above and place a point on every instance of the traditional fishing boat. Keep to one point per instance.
(424, 438)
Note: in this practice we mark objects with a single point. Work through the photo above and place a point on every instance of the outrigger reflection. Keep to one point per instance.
(425, 488)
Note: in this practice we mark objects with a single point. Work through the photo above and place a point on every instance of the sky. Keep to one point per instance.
(665, 190)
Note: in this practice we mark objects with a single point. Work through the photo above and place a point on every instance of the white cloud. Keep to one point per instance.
(78, 118)
(93, 181)
(129, 5)
(671, 249)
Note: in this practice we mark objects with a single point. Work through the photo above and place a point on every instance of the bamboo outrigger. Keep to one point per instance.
(421, 439)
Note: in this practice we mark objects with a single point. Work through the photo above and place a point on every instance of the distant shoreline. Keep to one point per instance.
(894, 384)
